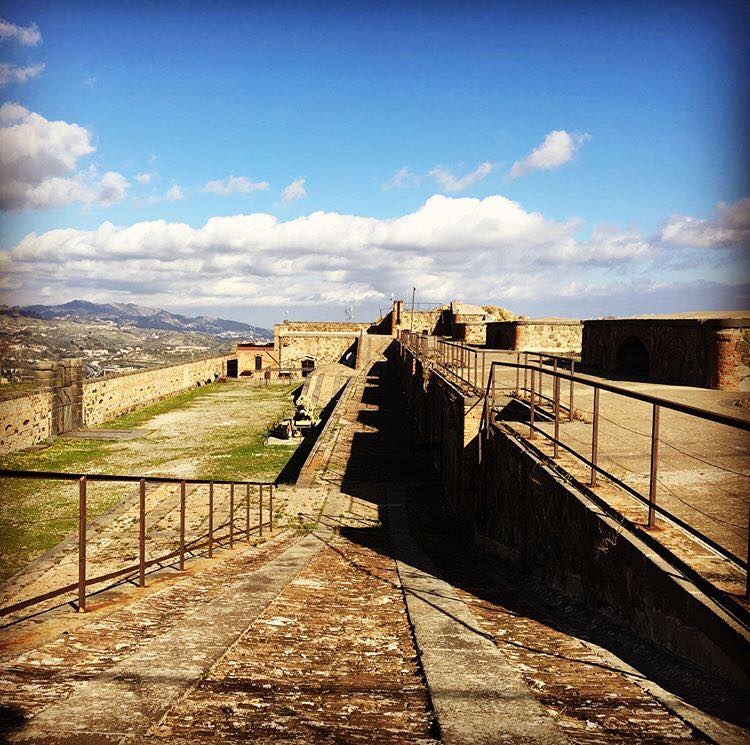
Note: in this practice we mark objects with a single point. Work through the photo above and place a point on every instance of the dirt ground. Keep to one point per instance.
(213, 432)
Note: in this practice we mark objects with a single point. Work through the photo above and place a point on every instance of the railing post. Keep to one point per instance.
(82, 544)
(556, 388)
(654, 466)
(247, 512)
(541, 381)
(526, 372)
(747, 571)
(270, 508)
(182, 525)
(231, 516)
(484, 375)
(572, 385)
(518, 371)
(211, 520)
(595, 437)
(142, 534)
(260, 509)
(531, 410)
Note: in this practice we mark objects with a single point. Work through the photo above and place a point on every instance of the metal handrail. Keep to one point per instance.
(203, 541)
(457, 357)
(657, 403)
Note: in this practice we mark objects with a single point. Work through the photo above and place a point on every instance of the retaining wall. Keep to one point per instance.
(516, 507)
(25, 420)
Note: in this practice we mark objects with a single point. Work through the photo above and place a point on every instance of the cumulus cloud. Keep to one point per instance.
(295, 190)
(38, 160)
(450, 183)
(402, 179)
(729, 228)
(29, 36)
(558, 148)
(13, 74)
(235, 185)
(483, 248)
(144, 178)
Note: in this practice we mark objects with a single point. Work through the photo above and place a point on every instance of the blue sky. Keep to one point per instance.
(632, 203)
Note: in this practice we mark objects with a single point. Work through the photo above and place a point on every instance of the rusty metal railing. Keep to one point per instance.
(531, 390)
(228, 531)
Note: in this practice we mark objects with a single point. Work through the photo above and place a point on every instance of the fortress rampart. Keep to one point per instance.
(64, 401)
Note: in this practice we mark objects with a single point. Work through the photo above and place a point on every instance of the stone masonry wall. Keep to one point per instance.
(470, 333)
(109, 397)
(547, 336)
(518, 508)
(323, 348)
(680, 351)
(25, 420)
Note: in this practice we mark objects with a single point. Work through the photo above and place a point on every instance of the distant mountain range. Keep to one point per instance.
(130, 314)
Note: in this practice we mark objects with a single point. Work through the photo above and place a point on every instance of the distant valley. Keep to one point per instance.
(112, 337)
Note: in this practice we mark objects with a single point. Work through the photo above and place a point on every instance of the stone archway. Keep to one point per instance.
(632, 358)
(308, 365)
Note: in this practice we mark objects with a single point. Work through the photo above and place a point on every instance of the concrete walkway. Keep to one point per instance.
(369, 624)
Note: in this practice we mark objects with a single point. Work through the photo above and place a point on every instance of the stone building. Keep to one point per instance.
(254, 359)
(536, 335)
(710, 350)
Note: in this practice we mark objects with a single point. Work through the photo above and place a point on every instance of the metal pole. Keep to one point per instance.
(531, 411)
(484, 379)
(247, 512)
(654, 466)
(182, 526)
(260, 510)
(572, 374)
(413, 293)
(555, 449)
(595, 437)
(142, 534)
(211, 520)
(231, 516)
(82, 544)
(526, 372)
(541, 380)
(270, 508)
(518, 371)
(747, 573)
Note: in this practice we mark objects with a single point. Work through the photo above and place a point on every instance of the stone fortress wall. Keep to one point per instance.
(536, 335)
(108, 397)
(25, 420)
(707, 352)
(63, 401)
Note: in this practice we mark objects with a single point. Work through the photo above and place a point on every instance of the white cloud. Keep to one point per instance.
(295, 190)
(38, 160)
(450, 183)
(729, 228)
(174, 193)
(484, 248)
(144, 178)
(234, 185)
(402, 179)
(90, 81)
(29, 36)
(558, 148)
(13, 74)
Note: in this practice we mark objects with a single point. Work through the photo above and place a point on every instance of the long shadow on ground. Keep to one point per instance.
(393, 460)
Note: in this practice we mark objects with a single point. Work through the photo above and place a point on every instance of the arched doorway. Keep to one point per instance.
(308, 365)
(632, 358)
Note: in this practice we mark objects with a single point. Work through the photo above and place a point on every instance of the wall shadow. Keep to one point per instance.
(389, 462)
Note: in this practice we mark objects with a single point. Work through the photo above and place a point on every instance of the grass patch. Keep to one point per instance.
(36, 515)
(141, 416)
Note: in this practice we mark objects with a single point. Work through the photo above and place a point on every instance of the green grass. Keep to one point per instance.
(141, 416)
(36, 515)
